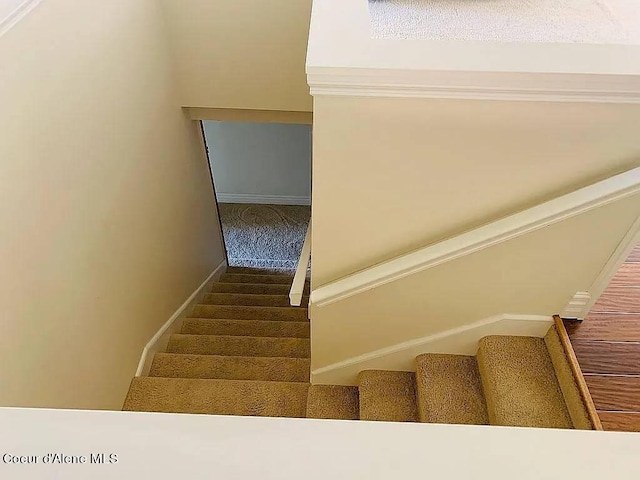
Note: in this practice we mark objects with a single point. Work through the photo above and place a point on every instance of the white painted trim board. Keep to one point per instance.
(17, 14)
(531, 87)
(545, 214)
(576, 305)
(159, 341)
(262, 199)
(457, 341)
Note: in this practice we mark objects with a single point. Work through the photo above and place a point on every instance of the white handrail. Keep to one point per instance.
(297, 287)
(542, 215)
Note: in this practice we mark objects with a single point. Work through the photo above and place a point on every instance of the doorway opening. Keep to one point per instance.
(262, 178)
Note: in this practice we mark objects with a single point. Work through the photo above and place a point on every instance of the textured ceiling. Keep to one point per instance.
(549, 21)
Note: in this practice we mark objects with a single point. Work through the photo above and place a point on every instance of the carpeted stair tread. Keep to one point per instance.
(237, 312)
(254, 288)
(278, 369)
(333, 402)
(217, 397)
(250, 300)
(388, 396)
(520, 384)
(250, 278)
(449, 390)
(245, 328)
(239, 346)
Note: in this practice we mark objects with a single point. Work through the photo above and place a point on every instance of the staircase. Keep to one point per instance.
(246, 352)
(512, 381)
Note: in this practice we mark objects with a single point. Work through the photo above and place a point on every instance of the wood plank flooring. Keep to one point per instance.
(609, 327)
(607, 345)
(617, 358)
(623, 421)
(620, 393)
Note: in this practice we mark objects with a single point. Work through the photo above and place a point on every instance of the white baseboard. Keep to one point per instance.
(576, 305)
(263, 199)
(459, 341)
(160, 340)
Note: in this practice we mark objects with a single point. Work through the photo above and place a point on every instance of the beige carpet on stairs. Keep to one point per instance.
(218, 397)
(450, 390)
(245, 351)
(388, 396)
(247, 299)
(248, 328)
(281, 369)
(241, 312)
(239, 345)
(520, 384)
(333, 402)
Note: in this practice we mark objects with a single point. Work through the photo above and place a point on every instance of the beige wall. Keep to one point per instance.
(535, 274)
(106, 209)
(394, 175)
(241, 54)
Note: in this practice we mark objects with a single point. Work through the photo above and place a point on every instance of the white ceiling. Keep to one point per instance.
(548, 21)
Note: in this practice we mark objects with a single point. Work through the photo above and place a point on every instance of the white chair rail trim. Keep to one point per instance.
(19, 11)
(542, 215)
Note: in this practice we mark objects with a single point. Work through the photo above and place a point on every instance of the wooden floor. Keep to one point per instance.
(607, 344)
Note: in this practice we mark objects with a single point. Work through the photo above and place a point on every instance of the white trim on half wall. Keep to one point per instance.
(548, 213)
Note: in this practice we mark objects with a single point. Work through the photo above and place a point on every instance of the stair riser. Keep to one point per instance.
(217, 397)
(250, 300)
(333, 402)
(240, 346)
(250, 328)
(231, 312)
(388, 396)
(449, 390)
(243, 278)
(230, 368)
(254, 289)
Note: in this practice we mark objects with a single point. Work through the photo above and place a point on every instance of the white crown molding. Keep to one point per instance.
(548, 213)
(17, 14)
(263, 199)
(596, 88)
(457, 341)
